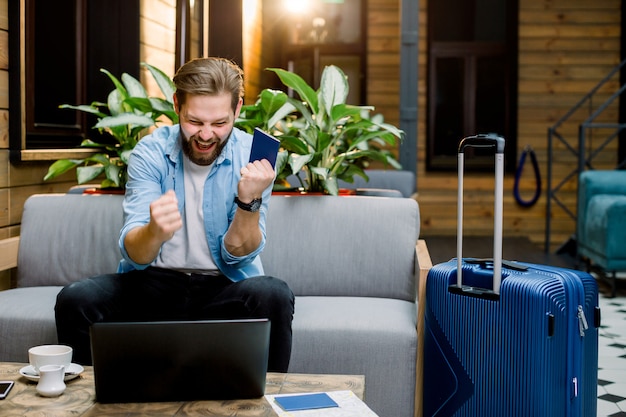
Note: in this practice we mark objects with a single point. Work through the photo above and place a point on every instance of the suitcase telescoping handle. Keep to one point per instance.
(483, 141)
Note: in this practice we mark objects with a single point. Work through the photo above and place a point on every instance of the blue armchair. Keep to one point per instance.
(601, 222)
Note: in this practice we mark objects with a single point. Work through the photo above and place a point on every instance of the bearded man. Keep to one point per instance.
(194, 225)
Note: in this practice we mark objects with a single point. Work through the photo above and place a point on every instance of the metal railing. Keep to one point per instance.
(578, 146)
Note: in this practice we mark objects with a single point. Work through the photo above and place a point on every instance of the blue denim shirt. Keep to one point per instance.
(156, 166)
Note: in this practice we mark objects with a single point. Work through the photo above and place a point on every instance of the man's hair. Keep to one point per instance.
(209, 76)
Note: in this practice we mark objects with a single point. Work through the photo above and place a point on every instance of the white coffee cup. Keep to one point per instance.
(42, 355)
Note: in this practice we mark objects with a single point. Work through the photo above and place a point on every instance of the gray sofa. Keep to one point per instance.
(351, 261)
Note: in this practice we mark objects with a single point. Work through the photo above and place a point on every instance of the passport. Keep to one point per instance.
(305, 401)
(264, 146)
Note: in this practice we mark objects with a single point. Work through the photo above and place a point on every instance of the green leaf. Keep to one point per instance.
(280, 114)
(296, 162)
(248, 125)
(321, 171)
(113, 173)
(164, 82)
(393, 162)
(370, 154)
(281, 161)
(249, 110)
(340, 111)
(125, 119)
(392, 129)
(163, 106)
(99, 158)
(133, 86)
(142, 104)
(125, 155)
(88, 173)
(304, 111)
(272, 100)
(349, 173)
(107, 183)
(389, 139)
(333, 87)
(61, 167)
(115, 102)
(118, 85)
(88, 143)
(310, 136)
(85, 108)
(295, 82)
(331, 186)
(294, 144)
(121, 133)
(323, 141)
(365, 138)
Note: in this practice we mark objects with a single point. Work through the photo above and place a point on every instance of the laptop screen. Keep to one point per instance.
(180, 361)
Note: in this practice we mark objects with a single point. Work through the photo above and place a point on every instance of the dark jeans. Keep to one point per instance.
(156, 294)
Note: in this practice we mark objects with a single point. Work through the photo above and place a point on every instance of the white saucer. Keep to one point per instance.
(73, 371)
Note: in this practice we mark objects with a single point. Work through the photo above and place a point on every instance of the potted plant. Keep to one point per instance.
(126, 116)
(323, 139)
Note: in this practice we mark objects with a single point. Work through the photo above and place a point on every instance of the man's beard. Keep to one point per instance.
(201, 159)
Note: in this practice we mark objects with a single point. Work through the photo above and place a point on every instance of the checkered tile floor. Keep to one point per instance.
(612, 357)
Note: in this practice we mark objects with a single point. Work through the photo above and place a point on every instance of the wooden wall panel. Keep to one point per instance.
(4, 129)
(157, 36)
(565, 48)
(4, 14)
(4, 168)
(4, 50)
(4, 207)
(383, 58)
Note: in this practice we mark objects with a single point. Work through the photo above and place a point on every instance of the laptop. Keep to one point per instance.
(180, 361)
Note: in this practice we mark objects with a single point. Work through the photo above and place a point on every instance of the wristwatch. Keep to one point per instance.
(252, 206)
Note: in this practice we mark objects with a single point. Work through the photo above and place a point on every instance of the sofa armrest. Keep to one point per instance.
(424, 264)
(8, 252)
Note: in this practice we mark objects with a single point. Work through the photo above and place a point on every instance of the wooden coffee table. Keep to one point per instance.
(79, 397)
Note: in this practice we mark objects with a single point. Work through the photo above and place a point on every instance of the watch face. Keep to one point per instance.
(255, 205)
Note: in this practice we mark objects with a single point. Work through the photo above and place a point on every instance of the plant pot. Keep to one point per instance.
(304, 193)
(97, 190)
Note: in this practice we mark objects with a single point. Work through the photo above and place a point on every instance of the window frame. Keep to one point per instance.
(90, 83)
(470, 52)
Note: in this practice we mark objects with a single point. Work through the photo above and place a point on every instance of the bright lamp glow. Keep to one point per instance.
(297, 6)
(249, 9)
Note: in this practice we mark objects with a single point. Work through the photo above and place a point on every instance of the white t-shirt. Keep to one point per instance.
(188, 250)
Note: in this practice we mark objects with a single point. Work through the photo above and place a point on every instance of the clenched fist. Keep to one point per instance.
(165, 219)
(255, 178)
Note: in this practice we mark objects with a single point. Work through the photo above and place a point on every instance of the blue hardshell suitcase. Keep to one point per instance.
(508, 338)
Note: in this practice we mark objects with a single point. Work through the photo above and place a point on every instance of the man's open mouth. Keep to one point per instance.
(204, 146)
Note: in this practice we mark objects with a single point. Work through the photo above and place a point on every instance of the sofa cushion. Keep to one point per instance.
(84, 246)
(26, 320)
(375, 337)
(366, 249)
